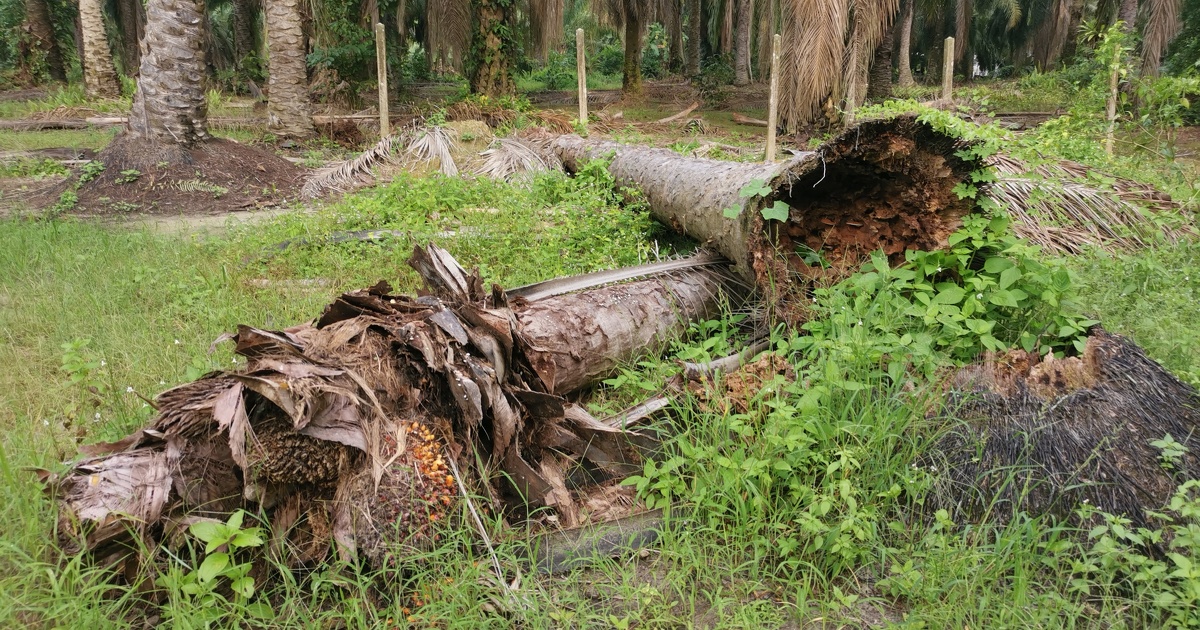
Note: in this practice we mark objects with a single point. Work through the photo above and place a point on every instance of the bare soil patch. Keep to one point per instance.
(215, 177)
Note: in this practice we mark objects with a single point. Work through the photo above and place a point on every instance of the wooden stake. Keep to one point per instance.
(385, 129)
(1112, 101)
(581, 75)
(948, 70)
(773, 106)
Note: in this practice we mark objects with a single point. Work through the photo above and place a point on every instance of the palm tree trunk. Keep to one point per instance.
(1072, 38)
(243, 28)
(492, 66)
(741, 58)
(694, 30)
(672, 16)
(631, 71)
(288, 108)
(905, 52)
(725, 37)
(545, 26)
(1127, 13)
(37, 16)
(98, 73)
(964, 57)
(880, 87)
(132, 19)
(169, 107)
(765, 15)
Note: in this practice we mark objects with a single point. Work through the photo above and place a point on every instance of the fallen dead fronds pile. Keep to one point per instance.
(347, 432)
(1064, 208)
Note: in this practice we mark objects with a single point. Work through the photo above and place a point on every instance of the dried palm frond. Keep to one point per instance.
(508, 157)
(1057, 207)
(810, 65)
(1162, 24)
(341, 177)
(435, 143)
(554, 120)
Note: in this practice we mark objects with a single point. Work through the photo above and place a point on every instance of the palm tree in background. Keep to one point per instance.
(288, 110)
(545, 27)
(169, 108)
(99, 75)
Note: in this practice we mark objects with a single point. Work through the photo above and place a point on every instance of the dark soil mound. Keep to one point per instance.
(214, 177)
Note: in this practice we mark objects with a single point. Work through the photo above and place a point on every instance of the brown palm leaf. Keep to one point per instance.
(448, 33)
(508, 157)
(814, 36)
(350, 173)
(1057, 207)
(1162, 25)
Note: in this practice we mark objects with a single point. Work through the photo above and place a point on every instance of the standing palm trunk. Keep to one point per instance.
(545, 26)
(288, 109)
(169, 107)
(633, 16)
(905, 52)
(741, 58)
(98, 73)
(880, 87)
(493, 19)
(243, 28)
(37, 16)
(693, 27)
(764, 14)
(132, 19)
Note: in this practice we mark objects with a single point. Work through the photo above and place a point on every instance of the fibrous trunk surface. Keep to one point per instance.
(884, 184)
(37, 16)
(288, 108)
(169, 107)
(99, 75)
(343, 430)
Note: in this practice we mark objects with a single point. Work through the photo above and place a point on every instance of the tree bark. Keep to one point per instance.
(98, 73)
(491, 75)
(1127, 13)
(905, 52)
(694, 29)
(725, 36)
(964, 54)
(880, 86)
(170, 107)
(631, 67)
(834, 197)
(765, 15)
(132, 19)
(243, 28)
(37, 16)
(741, 62)
(288, 109)
(673, 22)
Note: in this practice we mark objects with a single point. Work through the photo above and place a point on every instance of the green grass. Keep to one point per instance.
(63, 96)
(801, 510)
(95, 139)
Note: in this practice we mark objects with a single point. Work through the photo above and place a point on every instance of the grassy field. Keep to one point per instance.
(803, 510)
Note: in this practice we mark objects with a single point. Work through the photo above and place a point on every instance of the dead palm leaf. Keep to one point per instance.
(508, 157)
(1057, 207)
(1162, 25)
(448, 33)
(343, 176)
(435, 143)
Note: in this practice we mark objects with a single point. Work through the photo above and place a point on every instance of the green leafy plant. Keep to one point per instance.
(129, 176)
(224, 544)
(757, 188)
(90, 171)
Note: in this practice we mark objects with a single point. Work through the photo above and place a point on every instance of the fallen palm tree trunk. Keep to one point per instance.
(342, 430)
(884, 184)
(1047, 436)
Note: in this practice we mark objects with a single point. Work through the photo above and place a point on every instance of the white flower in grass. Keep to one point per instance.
(103, 363)
(45, 422)
(129, 390)
(97, 415)
(177, 342)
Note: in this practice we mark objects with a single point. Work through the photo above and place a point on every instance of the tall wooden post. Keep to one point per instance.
(1113, 80)
(948, 70)
(773, 103)
(581, 76)
(385, 128)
